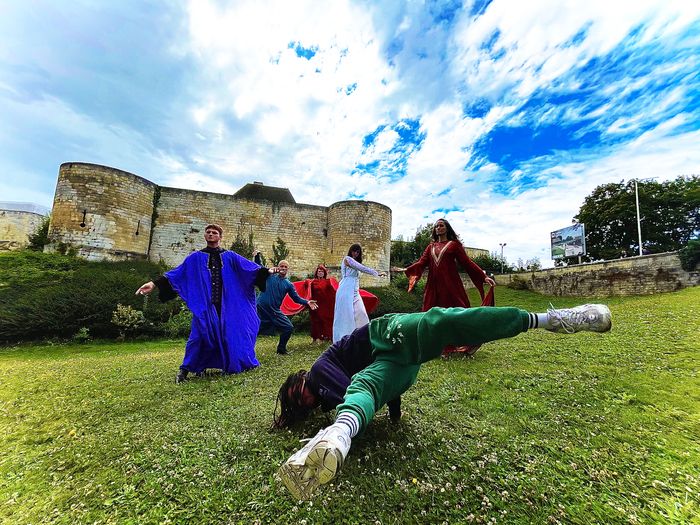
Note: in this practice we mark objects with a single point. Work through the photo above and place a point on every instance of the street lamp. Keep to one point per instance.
(639, 219)
(502, 244)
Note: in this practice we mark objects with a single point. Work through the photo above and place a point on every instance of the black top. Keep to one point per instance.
(329, 377)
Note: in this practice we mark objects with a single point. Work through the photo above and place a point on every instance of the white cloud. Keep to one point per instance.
(248, 108)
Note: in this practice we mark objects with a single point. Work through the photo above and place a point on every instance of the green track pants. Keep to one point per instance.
(402, 342)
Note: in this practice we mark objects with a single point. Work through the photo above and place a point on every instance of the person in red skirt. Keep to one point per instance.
(444, 288)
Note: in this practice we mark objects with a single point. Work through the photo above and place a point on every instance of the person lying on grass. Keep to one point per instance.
(398, 344)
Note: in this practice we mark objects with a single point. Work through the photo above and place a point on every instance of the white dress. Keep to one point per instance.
(350, 311)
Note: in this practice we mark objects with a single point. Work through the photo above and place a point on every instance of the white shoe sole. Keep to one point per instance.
(320, 466)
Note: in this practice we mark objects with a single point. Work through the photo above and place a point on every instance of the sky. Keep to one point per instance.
(501, 116)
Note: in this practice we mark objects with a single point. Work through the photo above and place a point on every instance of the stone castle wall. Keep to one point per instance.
(366, 223)
(647, 274)
(16, 227)
(183, 214)
(103, 213)
(117, 204)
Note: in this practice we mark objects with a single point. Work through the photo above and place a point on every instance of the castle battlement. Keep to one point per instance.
(108, 214)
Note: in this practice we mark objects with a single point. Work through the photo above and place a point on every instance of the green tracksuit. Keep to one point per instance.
(402, 342)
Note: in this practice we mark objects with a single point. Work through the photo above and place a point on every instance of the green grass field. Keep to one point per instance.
(543, 428)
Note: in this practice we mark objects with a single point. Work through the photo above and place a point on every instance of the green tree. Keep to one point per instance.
(493, 263)
(279, 251)
(405, 252)
(670, 214)
(40, 237)
(243, 247)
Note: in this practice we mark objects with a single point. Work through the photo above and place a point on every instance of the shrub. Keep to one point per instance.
(393, 299)
(49, 295)
(690, 255)
(127, 319)
(179, 324)
(40, 237)
(518, 283)
(400, 281)
(82, 336)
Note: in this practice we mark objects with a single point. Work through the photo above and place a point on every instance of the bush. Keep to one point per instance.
(40, 237)
(393, 299)
(82, 336)
(179, 324)
(49, 295)
(127, 319)
(400, 281)
(517, 283)
(690, 255)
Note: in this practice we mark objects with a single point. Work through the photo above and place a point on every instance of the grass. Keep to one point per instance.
(543, 428)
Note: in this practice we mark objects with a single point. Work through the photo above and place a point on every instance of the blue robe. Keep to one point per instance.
(226, 342)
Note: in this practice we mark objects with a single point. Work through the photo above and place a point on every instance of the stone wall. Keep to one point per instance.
(647, 274)
(183, 214)
(366, 223)
(108, 214)
(16, 227)
(103, 213)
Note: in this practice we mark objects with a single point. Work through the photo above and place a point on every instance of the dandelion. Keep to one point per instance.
(414, 481)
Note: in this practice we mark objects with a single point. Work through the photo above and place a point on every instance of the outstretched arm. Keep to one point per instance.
(349, 261)
(415, 271)
(165, 289)
(292, 292)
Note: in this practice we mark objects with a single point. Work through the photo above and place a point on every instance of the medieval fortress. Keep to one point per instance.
(105, 213)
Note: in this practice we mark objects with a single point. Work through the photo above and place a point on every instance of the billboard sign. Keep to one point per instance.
(569, 241)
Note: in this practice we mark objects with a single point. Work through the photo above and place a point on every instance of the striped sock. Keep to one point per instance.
(349, 421)
(538, 321)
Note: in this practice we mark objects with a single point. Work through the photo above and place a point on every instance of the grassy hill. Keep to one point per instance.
(543, 428)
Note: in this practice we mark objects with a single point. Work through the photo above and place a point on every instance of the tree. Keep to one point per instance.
(40, 237)
(670, 214)
(405, 252)
(533, 264)
(242, 246)
(493, 263)
(279, 251)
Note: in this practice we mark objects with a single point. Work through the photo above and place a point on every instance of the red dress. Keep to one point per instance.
(323, 291)
(322, 318)
(444, 287)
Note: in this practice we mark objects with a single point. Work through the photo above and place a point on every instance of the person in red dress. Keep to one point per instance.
(444, 287)
(323, 291)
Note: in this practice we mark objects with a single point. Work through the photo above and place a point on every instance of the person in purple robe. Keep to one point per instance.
(217, 286)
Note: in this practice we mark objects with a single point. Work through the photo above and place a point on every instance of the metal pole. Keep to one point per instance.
(639, 220)
(502, 244)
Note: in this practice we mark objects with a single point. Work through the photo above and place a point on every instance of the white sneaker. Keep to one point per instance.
(587, 317)
(316, 463)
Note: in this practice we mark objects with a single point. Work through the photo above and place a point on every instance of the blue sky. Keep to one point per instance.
(501, 116)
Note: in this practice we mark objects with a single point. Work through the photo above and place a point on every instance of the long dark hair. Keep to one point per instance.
(289, 401)
(358, 248)
(451, 235)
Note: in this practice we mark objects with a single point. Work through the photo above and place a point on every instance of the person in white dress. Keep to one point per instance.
(350, 311)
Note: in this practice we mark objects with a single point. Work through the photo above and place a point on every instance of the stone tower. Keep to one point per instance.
(107, 214)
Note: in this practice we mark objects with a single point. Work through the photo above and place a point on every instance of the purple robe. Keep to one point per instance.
(226, 342)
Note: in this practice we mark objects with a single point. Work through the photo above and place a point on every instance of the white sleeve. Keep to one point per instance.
(352, 263)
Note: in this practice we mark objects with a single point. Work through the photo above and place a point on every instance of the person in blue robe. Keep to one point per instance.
(217, 285)
(272, 320)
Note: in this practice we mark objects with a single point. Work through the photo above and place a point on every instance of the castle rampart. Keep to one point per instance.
(16, 225)
(103, 213)
(364, 222)
(98, 211)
